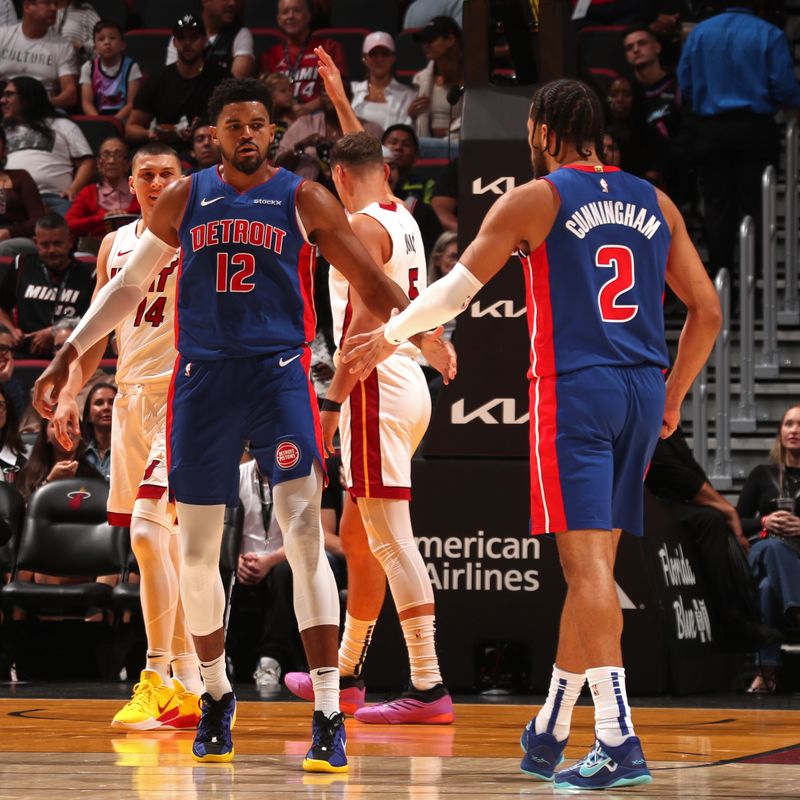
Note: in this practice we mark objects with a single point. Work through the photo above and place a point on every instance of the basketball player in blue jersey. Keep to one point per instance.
(596, 245)
(244, 319)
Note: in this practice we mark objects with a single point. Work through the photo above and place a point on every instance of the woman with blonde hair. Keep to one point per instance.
(769, 508)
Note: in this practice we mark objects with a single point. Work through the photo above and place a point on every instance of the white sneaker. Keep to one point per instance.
(268, 675)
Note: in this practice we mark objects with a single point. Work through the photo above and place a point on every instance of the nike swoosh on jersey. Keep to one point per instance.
(283, 362)
(205, 202)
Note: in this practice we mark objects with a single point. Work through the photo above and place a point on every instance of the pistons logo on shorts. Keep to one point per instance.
(287, 455)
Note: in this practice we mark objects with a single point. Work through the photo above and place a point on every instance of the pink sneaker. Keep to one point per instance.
(351, 696)
(431, 707)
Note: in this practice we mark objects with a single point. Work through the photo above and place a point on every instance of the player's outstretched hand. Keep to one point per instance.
(364, 351)
(50, 383)
(330, 75)
(440, 354)
(66, 422)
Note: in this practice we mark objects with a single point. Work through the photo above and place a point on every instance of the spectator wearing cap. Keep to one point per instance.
(437, 110)
(230, 44)
(170, 101)
(381, 98)
(295, 55)
(33, 49)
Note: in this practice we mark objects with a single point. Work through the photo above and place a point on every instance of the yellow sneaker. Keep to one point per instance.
(188, 709)
(152, 706)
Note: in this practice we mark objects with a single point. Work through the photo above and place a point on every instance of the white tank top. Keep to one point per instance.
(406, 267)
(146, 338)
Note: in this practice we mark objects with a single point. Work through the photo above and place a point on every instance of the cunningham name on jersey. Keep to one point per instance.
(612, 212)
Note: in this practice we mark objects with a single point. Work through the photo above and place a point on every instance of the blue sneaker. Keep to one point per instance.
(213, 741)
(328, 744)
(607, 768)
(543, 753)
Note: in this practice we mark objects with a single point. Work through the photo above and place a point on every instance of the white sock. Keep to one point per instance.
(555, 715)
(326, 689)
(355, 641)
(612, 714)
(158, 661)
(186, 668)
(420, 635)
(215, 678)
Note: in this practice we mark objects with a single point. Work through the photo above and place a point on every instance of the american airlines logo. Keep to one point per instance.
(502, 309)
(500, 411)
(497, 186)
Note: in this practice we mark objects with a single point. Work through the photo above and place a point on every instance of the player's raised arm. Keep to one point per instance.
(120, 296)
(332, 79)
(687, 277)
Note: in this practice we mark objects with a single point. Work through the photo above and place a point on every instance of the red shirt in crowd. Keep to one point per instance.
(301, 65)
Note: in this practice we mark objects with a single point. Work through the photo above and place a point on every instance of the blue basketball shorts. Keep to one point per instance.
(215, 406)
(592, 435)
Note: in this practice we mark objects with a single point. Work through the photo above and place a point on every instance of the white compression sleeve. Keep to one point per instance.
(439, 303)
(120, 296)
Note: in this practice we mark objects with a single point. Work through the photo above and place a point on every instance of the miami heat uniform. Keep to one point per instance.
(145, 342)
(385, 417)
(245, 316)
(594, 295)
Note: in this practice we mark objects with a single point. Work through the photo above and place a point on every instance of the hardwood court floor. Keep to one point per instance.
(61, 749)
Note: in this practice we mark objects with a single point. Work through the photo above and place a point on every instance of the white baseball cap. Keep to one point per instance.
(377, 39)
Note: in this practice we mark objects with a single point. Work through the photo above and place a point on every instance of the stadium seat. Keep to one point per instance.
(65, 534)
(410, 57)
(148, 48)
(12, 517)
(377, 16)
(351, 40)
(426, 168)
(97, 129)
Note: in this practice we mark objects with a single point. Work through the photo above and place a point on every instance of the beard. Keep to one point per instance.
(538, 163)
(246, 164)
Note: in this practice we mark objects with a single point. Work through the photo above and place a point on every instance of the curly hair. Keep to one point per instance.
(35, 106)
(238, 90)
(572, 112)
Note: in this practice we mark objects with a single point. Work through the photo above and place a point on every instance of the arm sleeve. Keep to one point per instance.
(68, 62)
(747, 506)
(439, 303)
(83, 216)
(784, 89)
(32, 201)
(243, 43)
(120, 296)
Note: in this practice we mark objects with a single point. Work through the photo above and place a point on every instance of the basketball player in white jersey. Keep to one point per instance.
(167, 695)
(383, 420)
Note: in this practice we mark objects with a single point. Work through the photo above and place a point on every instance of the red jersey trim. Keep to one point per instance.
(388, 206)
(597, 168)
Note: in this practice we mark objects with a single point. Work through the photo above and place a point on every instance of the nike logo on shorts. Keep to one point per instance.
(204, 202)
(284, 361)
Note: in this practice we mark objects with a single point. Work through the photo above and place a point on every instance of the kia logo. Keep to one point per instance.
(497, 186)
(500, 411)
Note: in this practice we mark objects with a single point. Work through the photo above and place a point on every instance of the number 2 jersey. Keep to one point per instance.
(146, 338)
(595, 286)
(246, 282)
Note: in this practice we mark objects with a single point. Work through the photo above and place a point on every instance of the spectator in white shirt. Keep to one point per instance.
(75, 21)
(8, 14)
(381, 98)
(51, 148)
(32, 48)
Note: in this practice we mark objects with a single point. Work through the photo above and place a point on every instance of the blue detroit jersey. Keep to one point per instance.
(595, 285)
(246, 281)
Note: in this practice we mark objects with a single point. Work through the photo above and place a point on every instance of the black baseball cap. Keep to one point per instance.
(188, 24)
(438, 26)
